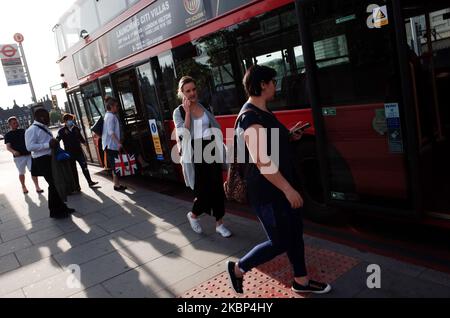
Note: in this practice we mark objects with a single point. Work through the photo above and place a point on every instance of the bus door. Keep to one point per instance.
(357, 103)
(77, 107)
(94, 109)
(427, 29)
(106, 89)
(158, 150)
(137, 131)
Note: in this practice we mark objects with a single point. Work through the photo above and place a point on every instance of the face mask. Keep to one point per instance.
(70, 123)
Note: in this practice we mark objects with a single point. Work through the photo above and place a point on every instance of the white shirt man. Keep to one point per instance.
(37, 140)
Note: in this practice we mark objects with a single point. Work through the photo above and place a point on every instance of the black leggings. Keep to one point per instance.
(208, 189)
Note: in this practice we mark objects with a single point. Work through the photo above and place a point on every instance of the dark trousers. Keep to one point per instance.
(111, 156)
(208, 189)
(81, 159)
(284, 229)
(42, 166)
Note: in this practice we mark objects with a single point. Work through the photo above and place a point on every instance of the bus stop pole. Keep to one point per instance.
(33, 94)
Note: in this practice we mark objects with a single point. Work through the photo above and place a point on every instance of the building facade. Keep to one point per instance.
(22, 113)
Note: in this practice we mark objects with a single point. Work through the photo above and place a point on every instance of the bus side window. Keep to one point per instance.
(165, 77)
(274, 42)
(294, 89)
(209, 61)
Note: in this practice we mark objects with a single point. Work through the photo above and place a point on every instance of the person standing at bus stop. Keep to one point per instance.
(71, 136)
(204, 178)
(270, 191)
(15, 143)
(40, 142)
(111, 138)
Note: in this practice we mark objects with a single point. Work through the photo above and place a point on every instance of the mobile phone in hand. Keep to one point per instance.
(302, 127)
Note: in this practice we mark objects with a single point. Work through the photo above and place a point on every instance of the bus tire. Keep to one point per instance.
(310, 182)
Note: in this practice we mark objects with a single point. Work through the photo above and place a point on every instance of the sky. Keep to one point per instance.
(35, 20)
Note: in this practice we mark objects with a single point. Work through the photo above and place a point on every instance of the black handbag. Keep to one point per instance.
(97, 128)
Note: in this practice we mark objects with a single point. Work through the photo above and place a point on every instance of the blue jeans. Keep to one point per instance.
(284, 230)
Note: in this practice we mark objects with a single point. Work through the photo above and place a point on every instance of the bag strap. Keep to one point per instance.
(46, 131)
(182, 112)
(235, 127)
(235, 137)
(241, 114)
(183, 116)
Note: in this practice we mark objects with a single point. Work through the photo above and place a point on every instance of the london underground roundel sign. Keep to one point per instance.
(8, 51)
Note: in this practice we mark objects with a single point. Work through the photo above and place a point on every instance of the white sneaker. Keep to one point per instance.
(222, 230)
(195, 224)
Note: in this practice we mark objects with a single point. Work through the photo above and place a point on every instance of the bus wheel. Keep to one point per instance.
(310, 182)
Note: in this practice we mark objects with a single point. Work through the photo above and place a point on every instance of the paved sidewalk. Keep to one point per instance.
(139, 244)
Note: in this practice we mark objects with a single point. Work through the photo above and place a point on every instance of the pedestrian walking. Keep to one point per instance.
(15, 143)
(270, 185)
(203, 177)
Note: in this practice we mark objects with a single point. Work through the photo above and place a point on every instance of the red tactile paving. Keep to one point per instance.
(273, 279)
(195, 293)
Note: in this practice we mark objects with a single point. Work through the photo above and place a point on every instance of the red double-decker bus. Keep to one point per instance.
(373, 78)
